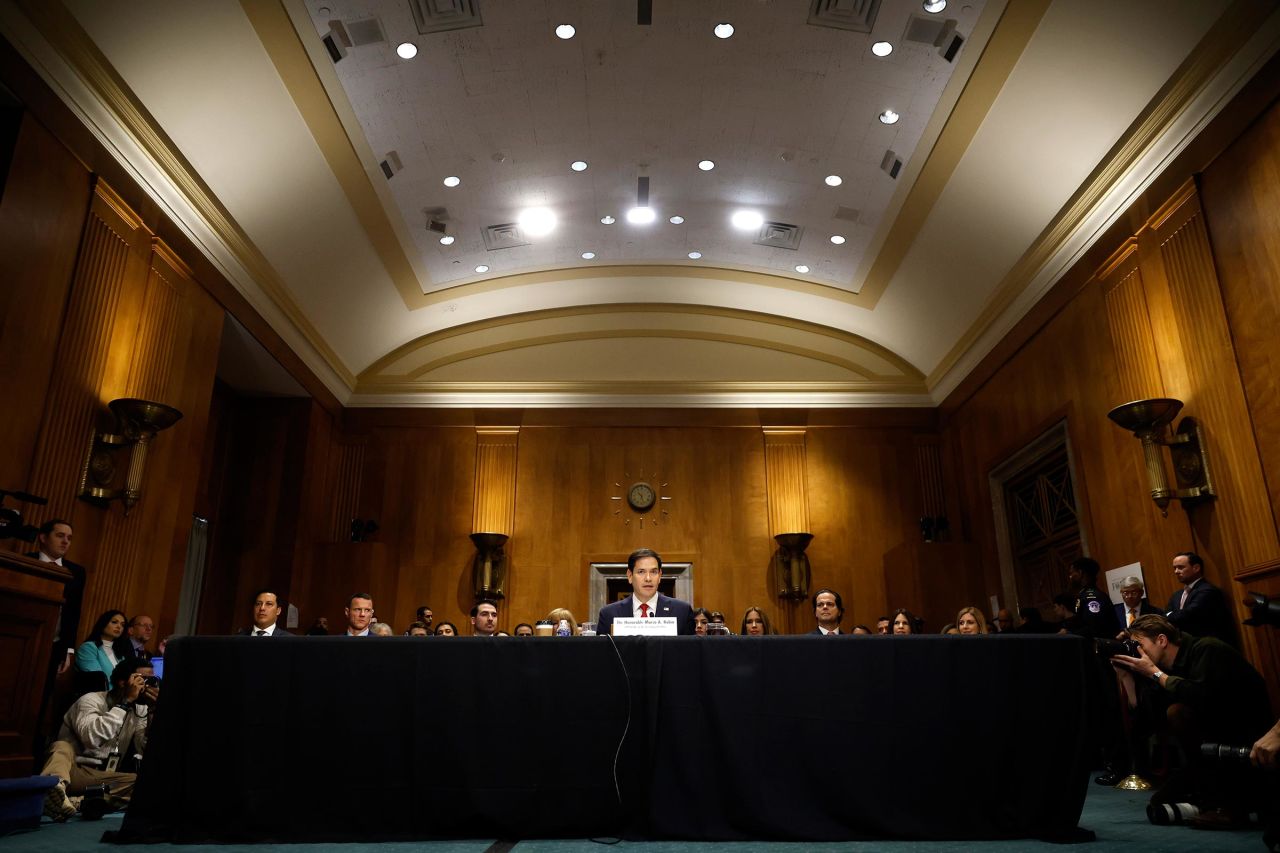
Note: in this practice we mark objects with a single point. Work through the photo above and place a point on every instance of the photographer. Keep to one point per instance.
(102, 736)
(1214, 696)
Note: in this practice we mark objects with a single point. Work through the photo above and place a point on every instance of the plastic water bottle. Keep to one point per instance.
(563, 629)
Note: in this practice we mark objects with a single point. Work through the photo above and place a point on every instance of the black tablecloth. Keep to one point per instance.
(310, 739)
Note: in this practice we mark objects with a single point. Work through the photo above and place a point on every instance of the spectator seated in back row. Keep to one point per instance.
(99, 654)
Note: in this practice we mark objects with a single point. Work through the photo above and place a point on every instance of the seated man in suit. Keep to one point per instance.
(266, 610)
(1133, 602)
(828, 609)
(359, 613)
(1199, 608)
(644, 573)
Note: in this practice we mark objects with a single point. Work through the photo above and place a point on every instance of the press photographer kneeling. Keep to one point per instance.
(1212, 695)
(101, 742)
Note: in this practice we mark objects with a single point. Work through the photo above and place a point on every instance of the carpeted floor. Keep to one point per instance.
(1117, 817)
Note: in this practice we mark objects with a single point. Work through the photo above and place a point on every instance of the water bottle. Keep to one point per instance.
(563, 629)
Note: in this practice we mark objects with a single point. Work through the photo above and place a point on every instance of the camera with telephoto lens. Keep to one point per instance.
(96, 802)
(11, 526)
(1171, 814)
(1224, 754)
(1116, 648)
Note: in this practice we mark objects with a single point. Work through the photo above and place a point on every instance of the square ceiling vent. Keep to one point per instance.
(506, 236)
(856, 15)
(779, 235)
(438, 16)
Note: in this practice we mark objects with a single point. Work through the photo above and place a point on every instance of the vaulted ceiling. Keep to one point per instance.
(309, 160)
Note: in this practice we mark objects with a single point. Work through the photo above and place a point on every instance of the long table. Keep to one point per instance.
(717, 738)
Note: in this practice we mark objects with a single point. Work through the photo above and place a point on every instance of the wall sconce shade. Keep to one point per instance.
(1149, 421)
(137, 422)
(789, 567)
(489, 568)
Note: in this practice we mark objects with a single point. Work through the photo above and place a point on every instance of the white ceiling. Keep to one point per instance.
(938, 265)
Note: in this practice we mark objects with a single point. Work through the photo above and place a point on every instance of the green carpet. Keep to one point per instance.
(1118, 817)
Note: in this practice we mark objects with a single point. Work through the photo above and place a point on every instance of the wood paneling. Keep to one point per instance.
(495, 489)
(788, 492)
(1130, 323)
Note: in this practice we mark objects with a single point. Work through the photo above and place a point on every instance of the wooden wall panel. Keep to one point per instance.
(1138, 369)
(788, 491)
(495, 489)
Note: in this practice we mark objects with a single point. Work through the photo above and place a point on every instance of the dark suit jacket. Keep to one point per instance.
(664, 606)
(69, 621)
(1145, 608)
(278, 632)
(1206, 613)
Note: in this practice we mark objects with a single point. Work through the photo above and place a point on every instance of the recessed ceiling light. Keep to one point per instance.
(446, 240)
(747, 220)
(537, 221)
(578, 165)
(676, 220)
(586, 256)
(933, 7)
(882, 48)
(889, 117)
(482, 268)
(641, 215)
(693, 256)
(801, 268)
(724, 30)
(607, 220)
(834, 180)
(407, 50)
(837, 239)
(452, 181)
(565, 31)
(706, 165)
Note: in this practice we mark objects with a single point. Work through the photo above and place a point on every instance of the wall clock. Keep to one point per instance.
(641, 495)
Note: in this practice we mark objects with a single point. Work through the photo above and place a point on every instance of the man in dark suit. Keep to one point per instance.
(1199, 608)
(1134, 603)
(644, 573)
(828, 609)
(266, 610)
(53, 540)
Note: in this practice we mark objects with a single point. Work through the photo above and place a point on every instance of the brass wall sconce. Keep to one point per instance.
(789, 567)
(137, 422)
(1149, 420)
(489, 568)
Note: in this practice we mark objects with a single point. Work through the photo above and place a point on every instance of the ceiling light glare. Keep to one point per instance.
(889, 117)
(724, 30)
(747, 220)
(446, 240)
(578, 165)
(537, 221)
(607, 220)
(837, 239)
(482, 268)
(676, 220)
(565, 31)
(833, 180)
(452, 181)
(693, 256)
(801, 268)
(407, 50)
(933, 7)
(587, 256)
(641, 215)
(706, 165)
(882, 48)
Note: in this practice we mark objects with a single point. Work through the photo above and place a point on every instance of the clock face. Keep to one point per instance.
(641, 497)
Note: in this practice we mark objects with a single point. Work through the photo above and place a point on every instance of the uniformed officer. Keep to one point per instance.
(1094, 616)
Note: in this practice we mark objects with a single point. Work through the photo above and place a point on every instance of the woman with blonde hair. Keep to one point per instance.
(563, 614)
(970, 621)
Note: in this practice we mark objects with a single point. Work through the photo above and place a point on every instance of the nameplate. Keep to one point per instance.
(653, 626)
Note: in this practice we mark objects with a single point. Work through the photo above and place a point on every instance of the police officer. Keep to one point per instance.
(1095, 618)
(1094, 615)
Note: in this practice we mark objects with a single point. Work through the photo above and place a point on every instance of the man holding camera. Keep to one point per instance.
(102, 738)
(1214, 696)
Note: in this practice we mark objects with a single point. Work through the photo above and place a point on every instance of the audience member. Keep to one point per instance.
(1133, 602)
(53, 540)
(701, 618)
(1199, 608)
(484, 619)
(99, 654)
(446, 629)
(1004, 621)
(860, 629)
(1031, 622)
(381, 629)
(563, 615)
(359, 613)
(266, 610)
(140, 629)
(319, 628)
(828, 611)
(644, 573)
(418, 629)
(100, 736)
(904, 622)
(949, 629)
(1092, 614)
(755, 623)
(715, 618)
(524, 629)
(883, 626)
(1064, 607)
(970, 621)
(425, 616)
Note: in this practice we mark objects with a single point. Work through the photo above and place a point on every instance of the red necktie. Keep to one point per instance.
(644, 610)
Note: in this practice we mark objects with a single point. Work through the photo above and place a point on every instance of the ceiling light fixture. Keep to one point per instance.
(578, 165)
(706, 165)
(452, 181)
(607, 220)
(837, 239)
(482, 268)
(833, 180)
(724, 30)
(747, 220)
(407, 50)
(933, 7)
(882, 48)
(587, 256)
(676, 220)
(801, 268)
(537, 221)
(889, 117)
(446, 240)
(693, 256)
(642, 213)
(565, 31)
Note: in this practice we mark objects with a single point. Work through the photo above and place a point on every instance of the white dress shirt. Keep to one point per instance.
(635, 606)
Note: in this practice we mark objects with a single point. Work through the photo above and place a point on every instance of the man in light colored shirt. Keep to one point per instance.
(1133, 604)
(1199, 608)
(102, 738)
(828, 609)
(484, 619)
(52, 543)
(644, 573)
(266, 610)
(359, 612)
